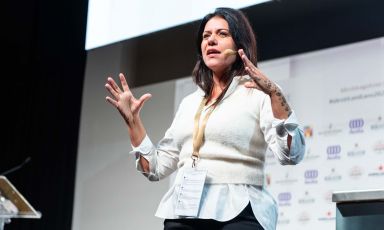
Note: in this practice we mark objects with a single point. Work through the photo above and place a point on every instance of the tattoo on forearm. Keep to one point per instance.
(265, 85)
(284, 102)
(269, 85)
(270, 88)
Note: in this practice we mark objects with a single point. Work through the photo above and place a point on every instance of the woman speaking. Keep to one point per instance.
(219, 135)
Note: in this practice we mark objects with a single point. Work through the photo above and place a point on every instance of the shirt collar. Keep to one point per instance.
(232, 87)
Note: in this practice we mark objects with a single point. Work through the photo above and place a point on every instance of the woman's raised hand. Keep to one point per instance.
(260, 81)
(123, 100)
(280, 106)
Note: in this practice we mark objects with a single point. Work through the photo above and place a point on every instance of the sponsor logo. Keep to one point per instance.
(310, 155)
(330, 131)
(378, 125)
(356, 126)
(356, 152)
(355, 172)
(287, 180)
(379, 171)
(282, 219)
(333, 176)
(378, 147)
(311, 176)
(308, 131)
(284, 199)
(333, 152)
(304, 217)
(306, 199)
(329, 216)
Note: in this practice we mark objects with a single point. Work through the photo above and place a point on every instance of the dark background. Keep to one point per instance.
(43, 63)
(42, 78)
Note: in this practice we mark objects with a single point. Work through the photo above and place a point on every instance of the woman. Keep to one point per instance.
(219, 135)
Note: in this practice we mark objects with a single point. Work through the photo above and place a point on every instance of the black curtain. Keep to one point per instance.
(42, 78)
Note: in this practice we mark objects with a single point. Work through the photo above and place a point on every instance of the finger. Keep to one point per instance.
(250, 70)
(143, 99)
(112, 91)
(252, 84)
(257, 76)
(113, 84)
(245, 59)
(252, 73)
(248, 63)
(112, 102)
(124, 83)
(257, 71)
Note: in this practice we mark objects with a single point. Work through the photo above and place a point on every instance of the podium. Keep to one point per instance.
(13, 204)
(359, 209)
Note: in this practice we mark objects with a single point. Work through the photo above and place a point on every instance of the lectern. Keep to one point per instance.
(13, 204)
(359, 209)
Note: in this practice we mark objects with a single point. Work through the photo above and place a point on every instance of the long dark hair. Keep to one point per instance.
(244, 38)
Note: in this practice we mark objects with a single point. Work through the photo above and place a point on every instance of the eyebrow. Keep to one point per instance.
(216, 30)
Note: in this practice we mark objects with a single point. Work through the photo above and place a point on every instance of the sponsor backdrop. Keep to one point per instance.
(338, 96)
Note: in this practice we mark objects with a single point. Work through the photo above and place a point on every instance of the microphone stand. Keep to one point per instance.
(17, 167)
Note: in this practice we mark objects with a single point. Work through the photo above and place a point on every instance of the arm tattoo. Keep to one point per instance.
(284, 102)
(270, 88)
(266, 86)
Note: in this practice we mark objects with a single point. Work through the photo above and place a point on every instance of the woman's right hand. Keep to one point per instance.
(129, 108)
(123, 100)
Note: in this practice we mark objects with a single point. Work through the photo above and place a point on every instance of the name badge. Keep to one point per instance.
(189, 194)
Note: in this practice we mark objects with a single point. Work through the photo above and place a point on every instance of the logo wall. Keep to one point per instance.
(343, 127)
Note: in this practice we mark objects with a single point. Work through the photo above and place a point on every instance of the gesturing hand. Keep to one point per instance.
(123, 100)
(260, 81)
(280, 105)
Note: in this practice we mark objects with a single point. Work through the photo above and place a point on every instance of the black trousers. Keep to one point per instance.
(244, 221)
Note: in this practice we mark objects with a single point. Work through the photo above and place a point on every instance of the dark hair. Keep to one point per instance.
(244, 38)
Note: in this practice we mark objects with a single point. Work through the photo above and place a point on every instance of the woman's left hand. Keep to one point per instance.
(280, 106)
(260, 81)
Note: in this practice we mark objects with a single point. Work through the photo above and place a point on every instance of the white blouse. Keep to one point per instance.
(241, 160)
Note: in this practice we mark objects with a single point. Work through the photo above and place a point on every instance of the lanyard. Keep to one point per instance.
(198, 131)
